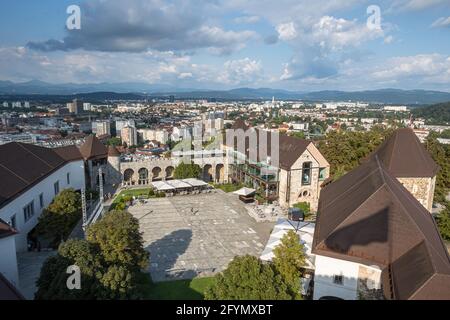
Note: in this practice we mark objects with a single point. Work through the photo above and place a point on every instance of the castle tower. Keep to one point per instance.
(114, 175)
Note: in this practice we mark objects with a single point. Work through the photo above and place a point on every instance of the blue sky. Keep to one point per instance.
(289, 44)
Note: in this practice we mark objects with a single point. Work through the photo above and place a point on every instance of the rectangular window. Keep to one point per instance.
(12, 222)
(56, 188)
(68, 178)
(41, 200)
(322, 173)
(338, 279)
(28, 211)
(306, 173)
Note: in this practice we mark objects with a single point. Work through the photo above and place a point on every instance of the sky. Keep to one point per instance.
(298, 45)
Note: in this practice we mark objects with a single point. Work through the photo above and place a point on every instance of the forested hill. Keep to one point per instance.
(438, 114)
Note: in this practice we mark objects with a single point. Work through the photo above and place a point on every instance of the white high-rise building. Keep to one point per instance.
(101, 128)
(129, 135)
(122, 123)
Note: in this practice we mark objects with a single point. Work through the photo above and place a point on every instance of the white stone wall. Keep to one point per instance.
(8, 260)
(327, 268)
(46, 187)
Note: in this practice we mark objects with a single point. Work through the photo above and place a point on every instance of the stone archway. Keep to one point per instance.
(220, 173)
(169, 172)
(128, 176)
(207, 174)
(156, 172)
(143, 176)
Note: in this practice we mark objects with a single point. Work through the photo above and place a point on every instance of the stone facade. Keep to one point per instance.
(291, 188)
(421, 188)
(369, 283)
(144, 172)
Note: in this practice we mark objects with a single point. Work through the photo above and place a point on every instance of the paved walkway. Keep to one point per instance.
(197, 235)
(30, 264)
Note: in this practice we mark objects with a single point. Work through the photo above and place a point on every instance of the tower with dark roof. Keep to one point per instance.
(95, 156)
(407, 160)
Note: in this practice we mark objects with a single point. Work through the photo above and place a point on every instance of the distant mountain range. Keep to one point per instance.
(144, 91)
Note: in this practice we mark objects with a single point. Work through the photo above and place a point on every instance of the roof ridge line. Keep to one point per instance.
(360, 205)
(414, 222)
(393, 148)
(48, 164)
(23, 179)
(424, 283)
(350, 189)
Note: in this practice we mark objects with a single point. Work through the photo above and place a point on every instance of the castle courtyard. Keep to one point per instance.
(197, 235)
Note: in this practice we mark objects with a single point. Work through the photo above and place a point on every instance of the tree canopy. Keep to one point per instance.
(290, 260)
(106, 273)
(441, 155)
(118, 238)
(345, 150)
(438, 114)
(248, 278)
(61, 216)
(187, 170)
(443, 222)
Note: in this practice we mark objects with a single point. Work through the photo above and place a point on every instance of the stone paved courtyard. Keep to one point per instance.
(197, 235)
(30, 264)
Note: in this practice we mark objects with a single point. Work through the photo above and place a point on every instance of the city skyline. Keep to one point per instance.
(290, 45)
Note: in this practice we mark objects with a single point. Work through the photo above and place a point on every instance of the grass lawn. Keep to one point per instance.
(175, 290)
(228, 187)
(133, 193)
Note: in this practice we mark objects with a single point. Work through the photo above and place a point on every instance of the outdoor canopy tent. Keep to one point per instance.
(245, 191)
(162, 186)
(305, 230)
(195, 182)
(179, 184)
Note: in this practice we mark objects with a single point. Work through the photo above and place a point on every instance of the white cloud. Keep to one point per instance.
(424, 67)
(389, 39)
(287, 31)
(185, 75)
(243, 71)
(441, 23)
(415, 5)
(141, 25)
(336, 34)
(247, 19)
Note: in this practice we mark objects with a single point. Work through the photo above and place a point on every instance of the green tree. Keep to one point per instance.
(114, 141)
(52, 281)
(110, 261)
(61, 216)
(441, 155)
(443, 222)
(118, 238)
(119, 283)
(289, 261)
(299, 135)
(247, 278)
(345, 150)
(187, 170)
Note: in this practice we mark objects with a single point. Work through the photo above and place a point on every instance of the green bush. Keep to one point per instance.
(304, 206)
(248, 278)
